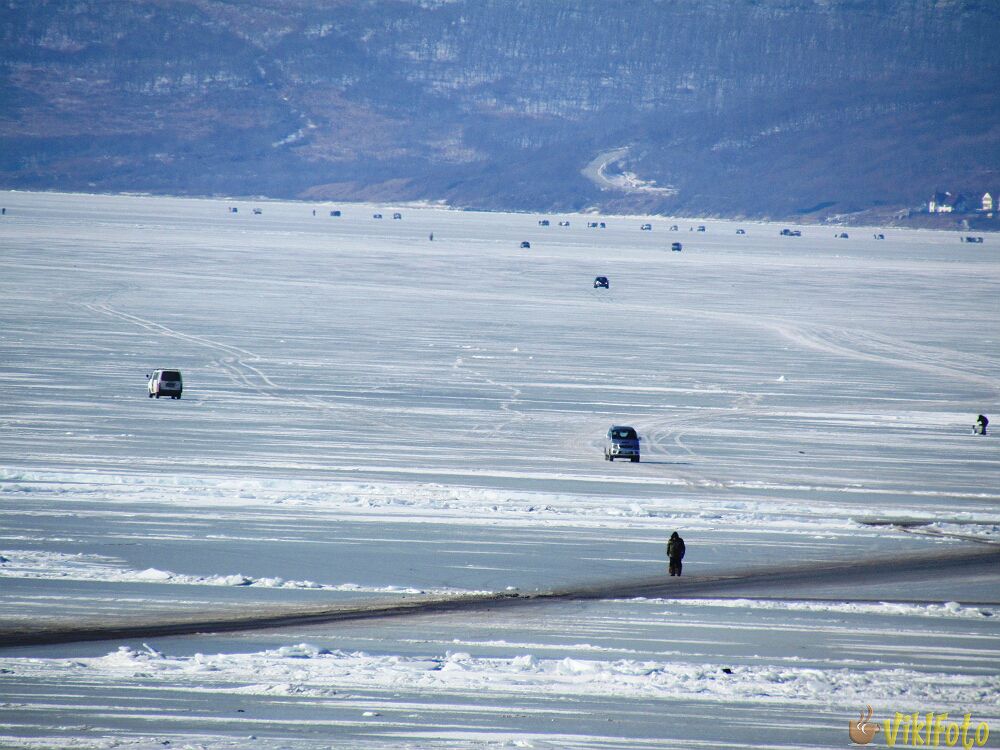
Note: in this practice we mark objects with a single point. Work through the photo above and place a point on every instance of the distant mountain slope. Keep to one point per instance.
(756, 107)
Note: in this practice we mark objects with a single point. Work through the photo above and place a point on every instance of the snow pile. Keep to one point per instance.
(82, 567)
(209, 497)
(946, 609)
(307, 670)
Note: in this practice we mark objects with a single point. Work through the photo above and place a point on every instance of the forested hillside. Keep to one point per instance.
(745, 107)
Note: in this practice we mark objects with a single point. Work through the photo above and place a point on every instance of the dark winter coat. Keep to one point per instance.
(675, 548)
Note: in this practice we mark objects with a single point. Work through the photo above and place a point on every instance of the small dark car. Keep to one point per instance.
(526, 245)
(601, 282)
(621, 442)
(676, 247)
(741, 231)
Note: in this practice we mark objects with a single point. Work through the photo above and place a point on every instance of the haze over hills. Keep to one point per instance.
(768, 108)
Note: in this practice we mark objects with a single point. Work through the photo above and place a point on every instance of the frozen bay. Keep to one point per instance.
(372, 414)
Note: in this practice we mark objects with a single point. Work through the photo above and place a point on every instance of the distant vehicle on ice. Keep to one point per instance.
(879, 236)
(602, 225)
(564, 223)
(621, 442)
(525, 245)
(673, 228)
(376, 216)
(165, 383)
(969, 238)
(646, 227)
(842, 236)
(741, 231)
(257, 211)
(543, 222)
(701, 227)
(233, 210)
(791, 233)
(397, 215)
(335, 213)
(601, 282)
(676, 247)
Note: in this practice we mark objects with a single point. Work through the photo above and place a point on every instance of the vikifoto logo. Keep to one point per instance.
(920, 730)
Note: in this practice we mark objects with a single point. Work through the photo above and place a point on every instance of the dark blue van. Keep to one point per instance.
(621, 442)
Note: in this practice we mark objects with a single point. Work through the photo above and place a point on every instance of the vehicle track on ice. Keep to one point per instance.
(762, 582)
(238, 365)
(865, 346)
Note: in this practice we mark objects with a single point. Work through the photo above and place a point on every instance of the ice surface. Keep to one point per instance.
(368, 414)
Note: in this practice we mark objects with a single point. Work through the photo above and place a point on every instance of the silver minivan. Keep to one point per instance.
(165, 383)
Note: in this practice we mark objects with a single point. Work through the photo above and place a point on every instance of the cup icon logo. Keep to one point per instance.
(861, 731)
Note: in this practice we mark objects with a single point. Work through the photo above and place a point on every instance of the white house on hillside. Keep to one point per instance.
(946, 203)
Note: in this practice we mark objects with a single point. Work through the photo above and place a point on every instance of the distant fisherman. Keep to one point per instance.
(675, 553)
(980, 426)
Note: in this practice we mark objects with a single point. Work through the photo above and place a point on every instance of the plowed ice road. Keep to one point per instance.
(380, 516)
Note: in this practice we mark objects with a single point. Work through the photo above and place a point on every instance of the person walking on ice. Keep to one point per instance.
(675, 553)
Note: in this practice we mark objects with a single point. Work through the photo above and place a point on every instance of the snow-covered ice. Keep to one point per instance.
(369, 414)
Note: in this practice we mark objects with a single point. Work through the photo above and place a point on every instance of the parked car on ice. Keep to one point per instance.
(621, 442)
(601, 282)
(526, 245)
(257, 211)
(741, 231)
(673, 228)
(970, 238)
(701, 227)
(335, 213)
(791, 233)
(543, 222)
(646, 227)
(676, 247)
(397, 216)
(879, 236)
(376, 216)
(842, 236)
(165, 383)
(564, 223)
